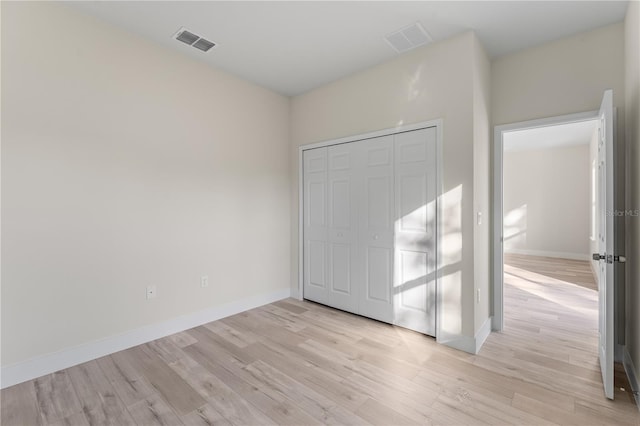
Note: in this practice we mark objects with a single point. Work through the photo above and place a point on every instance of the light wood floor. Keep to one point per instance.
(299, 363)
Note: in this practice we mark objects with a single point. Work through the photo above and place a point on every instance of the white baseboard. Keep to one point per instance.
(630, 369)
(460, 342)
(482, 334)
(543, 253)
(49, 363)
(295, 293)
(468, 344)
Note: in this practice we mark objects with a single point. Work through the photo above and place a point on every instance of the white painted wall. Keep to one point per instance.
(632, 109)
(436, 81)
(125, 164)
(547, 196)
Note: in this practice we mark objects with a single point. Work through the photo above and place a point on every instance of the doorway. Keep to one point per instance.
(606, 169)
(550, 192)
(510, 227)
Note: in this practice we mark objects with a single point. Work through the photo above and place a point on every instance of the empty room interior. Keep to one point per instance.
(297, 213)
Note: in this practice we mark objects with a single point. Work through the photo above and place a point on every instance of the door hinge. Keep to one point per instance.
(620, 259)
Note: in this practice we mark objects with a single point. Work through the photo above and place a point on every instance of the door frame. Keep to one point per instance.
(497, 322)
(438, 124)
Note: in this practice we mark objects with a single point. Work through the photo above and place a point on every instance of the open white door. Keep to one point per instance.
(606, 242)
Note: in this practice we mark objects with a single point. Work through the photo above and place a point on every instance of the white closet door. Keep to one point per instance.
(376, 228)
(315, 225)
(342, 232)
(415, 230)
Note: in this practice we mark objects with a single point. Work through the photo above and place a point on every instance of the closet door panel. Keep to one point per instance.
(413, 269)
(376, 227)
(342, 230)
(379, 194)
(315, 250)
(415, 230)
(379, 264)
(341, 259)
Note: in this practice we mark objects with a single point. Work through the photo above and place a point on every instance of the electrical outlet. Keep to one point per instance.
(152, 292)
(478, 295)
(204, 281)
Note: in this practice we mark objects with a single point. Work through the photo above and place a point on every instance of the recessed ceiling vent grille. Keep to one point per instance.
(408, 38)
(193, 40)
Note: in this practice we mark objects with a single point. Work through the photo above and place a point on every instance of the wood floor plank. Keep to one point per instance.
(261, 394)
(478, 398)
(219, 395)
(154, 411)
(182, 397)
(127, 381)
(397, 365)
(19, 405)
(205, 416)
(78, 419)
(309, 374)
(291, 307)
(377, 413)
(210, 339)
(314, 403)
(100, 403)
(182, 339)
(297, 362)
(227, 332)
(56, 397)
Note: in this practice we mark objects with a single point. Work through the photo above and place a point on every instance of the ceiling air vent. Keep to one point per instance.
(408, 38)
(193, 40)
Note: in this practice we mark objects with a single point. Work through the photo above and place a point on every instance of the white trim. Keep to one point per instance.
(65, 358)
(634, 381)
(555, 254)
(482, 334)
(468, 344)
(378, 133)
(462, 343)
(439, 216)
(300, 294)
(497, 239)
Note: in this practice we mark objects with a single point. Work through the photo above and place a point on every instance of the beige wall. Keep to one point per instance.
(632, 107)
(561, 77)
(547, 201)
(436, 81)
(124, 165)
(481, 181)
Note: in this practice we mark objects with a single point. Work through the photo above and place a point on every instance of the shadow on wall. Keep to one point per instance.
(515, 228)
(451, 258)
(414, 284)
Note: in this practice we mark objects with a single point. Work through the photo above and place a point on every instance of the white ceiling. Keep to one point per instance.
(550, 136)
(293, 47)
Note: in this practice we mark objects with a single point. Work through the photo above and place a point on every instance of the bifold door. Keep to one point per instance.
(369, 214)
